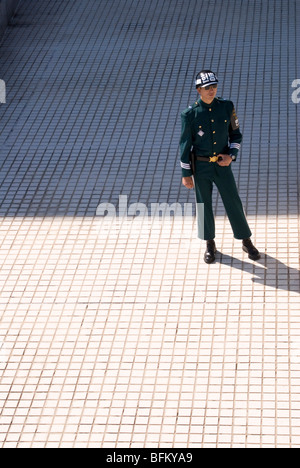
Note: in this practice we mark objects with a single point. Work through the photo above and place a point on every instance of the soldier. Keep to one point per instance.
(210, 141)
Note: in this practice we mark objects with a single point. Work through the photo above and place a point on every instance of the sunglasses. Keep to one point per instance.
(207, 88)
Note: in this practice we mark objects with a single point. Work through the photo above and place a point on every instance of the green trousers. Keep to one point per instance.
(206, 175)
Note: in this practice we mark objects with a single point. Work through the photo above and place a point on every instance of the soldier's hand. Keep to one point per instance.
(225, 160)
(188, 182)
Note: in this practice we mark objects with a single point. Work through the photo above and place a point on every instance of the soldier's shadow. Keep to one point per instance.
(267, 271)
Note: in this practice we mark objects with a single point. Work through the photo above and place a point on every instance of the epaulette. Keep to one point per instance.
(221, 99)
(191, 108)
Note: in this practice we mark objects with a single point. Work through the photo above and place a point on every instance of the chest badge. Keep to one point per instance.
(201, 133)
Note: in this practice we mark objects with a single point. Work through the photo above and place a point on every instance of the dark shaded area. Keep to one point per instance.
(94, 94)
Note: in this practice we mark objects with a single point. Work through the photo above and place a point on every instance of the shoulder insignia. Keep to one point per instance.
(234, 120)
(190, 108)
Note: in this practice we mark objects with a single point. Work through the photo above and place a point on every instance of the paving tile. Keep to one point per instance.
(113, 331)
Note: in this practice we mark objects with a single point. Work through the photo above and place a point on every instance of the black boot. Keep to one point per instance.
(249, 248)
(210, 253)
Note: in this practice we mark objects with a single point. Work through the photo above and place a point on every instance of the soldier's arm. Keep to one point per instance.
(235, 136)
(186, 143)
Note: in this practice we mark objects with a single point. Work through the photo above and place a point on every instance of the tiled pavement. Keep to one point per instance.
(114, 333)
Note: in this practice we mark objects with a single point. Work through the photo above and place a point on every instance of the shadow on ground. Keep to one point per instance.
(268, 271)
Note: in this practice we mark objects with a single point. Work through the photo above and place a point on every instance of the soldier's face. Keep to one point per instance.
(208, 94)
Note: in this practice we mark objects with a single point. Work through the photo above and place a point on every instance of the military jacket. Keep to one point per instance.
(209, 129)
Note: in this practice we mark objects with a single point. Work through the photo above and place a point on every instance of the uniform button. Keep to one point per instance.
(214, 131)
(212, 121)
(209, 110)
(225, 121)
(215, 154)
(215, 143)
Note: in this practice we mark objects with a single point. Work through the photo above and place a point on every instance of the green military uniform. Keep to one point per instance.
(210, 130)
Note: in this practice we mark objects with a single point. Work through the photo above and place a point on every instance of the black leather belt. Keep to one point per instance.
(210, 159)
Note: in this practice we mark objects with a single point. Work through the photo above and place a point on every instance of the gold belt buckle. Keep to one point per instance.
(213, 159)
